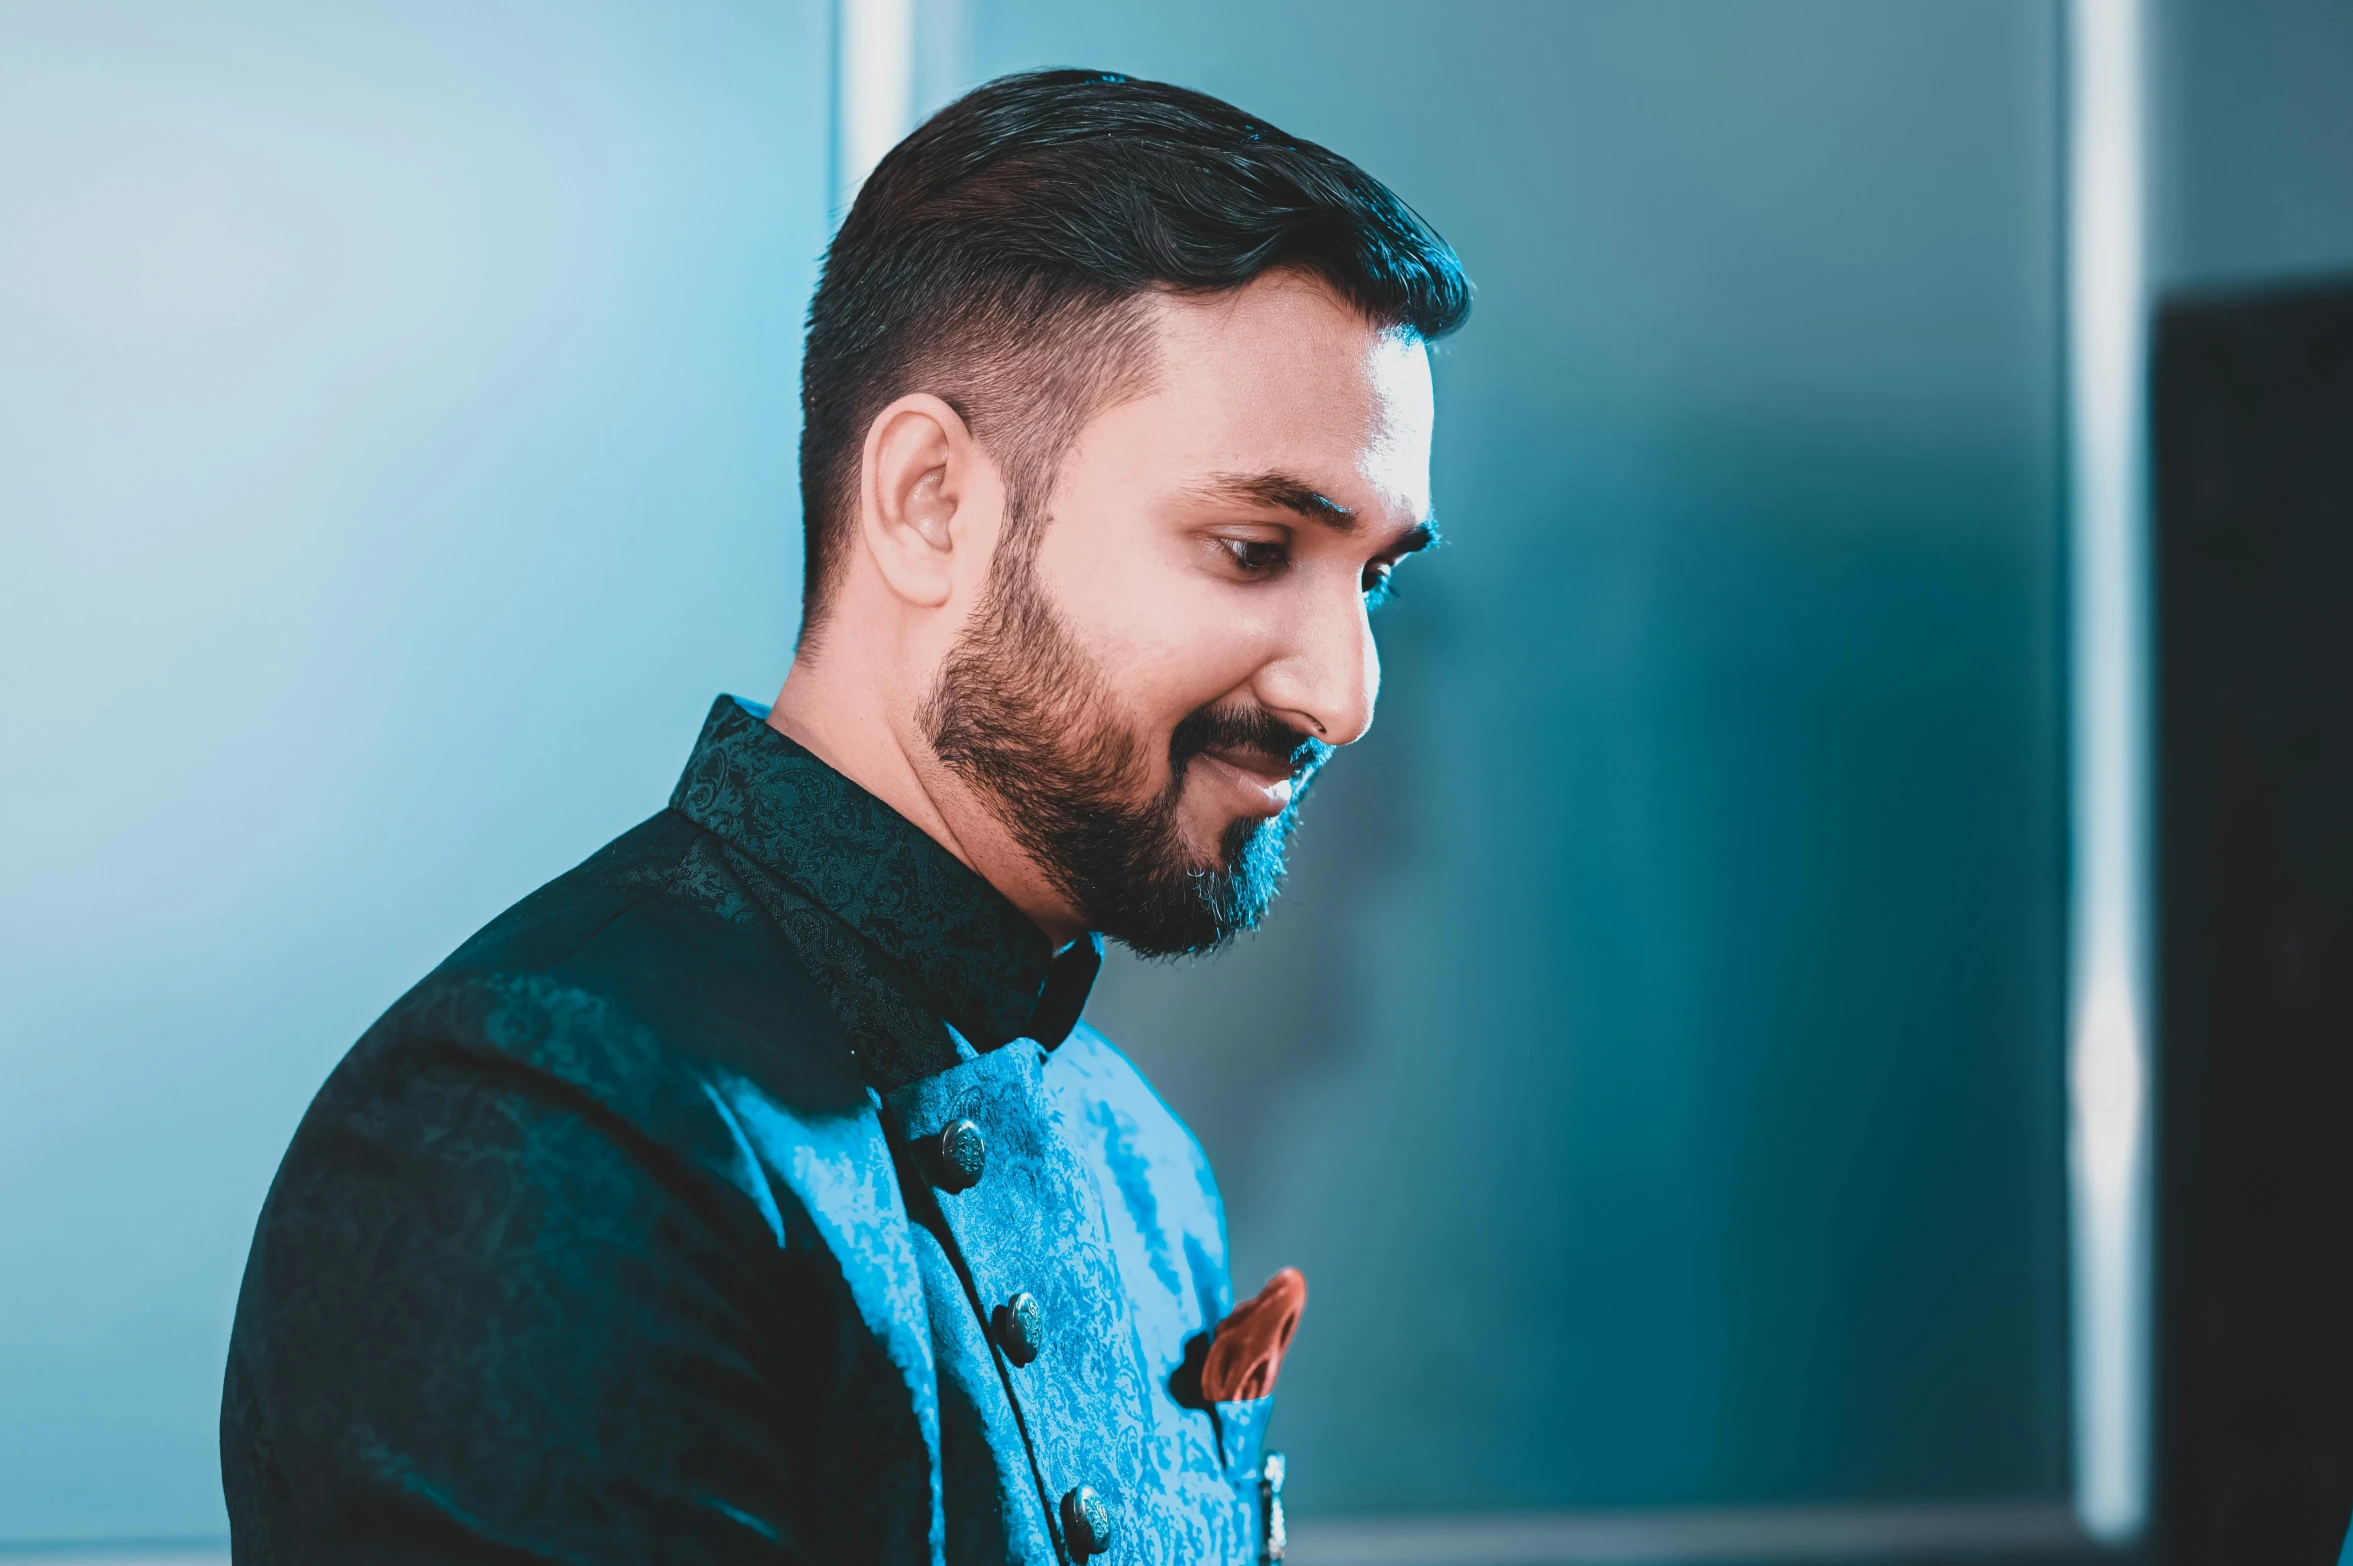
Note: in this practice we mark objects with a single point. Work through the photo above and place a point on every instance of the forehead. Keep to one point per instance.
(1282, 377)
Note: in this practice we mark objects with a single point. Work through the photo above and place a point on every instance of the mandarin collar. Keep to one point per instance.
(978, 960)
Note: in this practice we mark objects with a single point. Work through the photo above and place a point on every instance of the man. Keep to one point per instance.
(752, 1192)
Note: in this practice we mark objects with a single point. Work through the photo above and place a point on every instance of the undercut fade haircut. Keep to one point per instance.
(1000, 257)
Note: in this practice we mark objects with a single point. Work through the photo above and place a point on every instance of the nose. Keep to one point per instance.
(1327, 676)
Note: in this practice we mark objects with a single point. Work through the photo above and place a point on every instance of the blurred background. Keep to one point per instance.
(1680, 1061)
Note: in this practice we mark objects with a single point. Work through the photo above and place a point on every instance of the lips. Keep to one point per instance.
(1250, 762)
(1261, 784)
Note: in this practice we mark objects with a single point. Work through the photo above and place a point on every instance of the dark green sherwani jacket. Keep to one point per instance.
(749, 1194)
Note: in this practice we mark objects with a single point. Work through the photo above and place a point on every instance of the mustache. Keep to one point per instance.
(1249, 729)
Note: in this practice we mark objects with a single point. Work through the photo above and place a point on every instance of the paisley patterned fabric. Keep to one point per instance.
(617, 1239)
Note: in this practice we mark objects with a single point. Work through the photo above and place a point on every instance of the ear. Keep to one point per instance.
(918, 468)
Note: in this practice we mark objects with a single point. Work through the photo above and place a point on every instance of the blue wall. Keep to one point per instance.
(397, 406)
(1656, 1069)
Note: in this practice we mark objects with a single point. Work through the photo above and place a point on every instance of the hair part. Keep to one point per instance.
(1001, 258)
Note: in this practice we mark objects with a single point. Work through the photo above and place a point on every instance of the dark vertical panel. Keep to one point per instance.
(2254, 450)
(1655, 1066)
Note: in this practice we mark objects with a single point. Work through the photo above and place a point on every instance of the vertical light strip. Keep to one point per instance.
(2109, 1075)
(874, 88)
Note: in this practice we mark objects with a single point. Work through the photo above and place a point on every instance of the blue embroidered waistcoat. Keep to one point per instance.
(751, 1193)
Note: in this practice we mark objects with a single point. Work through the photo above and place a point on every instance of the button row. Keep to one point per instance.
(959, 1157)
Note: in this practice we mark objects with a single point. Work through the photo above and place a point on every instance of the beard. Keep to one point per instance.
(1027, 720)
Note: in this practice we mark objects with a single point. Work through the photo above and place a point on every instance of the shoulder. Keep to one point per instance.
(524, 1214)
(665, 886)
(641, 989)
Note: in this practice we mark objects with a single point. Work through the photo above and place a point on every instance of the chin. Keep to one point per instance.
(1211, 848)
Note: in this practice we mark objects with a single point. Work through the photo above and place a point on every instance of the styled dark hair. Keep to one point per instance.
(998, 258)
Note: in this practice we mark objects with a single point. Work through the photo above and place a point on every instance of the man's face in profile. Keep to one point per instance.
(1145, 697)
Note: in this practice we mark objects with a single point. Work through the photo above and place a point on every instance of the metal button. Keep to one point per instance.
(1090, 1524)
(962, 1155)
(1020, 1326)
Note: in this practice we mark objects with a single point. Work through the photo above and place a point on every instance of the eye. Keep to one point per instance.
(1257, 557)
(1380, 584)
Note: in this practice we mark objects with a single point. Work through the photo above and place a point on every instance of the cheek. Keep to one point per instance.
(1183, 652)
(1168, 641)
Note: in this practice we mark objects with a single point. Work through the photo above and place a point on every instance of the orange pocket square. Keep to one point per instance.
(1247, 1350)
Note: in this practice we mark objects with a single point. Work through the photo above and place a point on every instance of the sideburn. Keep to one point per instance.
(1020, 713)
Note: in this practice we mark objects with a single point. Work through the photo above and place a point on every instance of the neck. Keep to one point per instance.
(833, 707)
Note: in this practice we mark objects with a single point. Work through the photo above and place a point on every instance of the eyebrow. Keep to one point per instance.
(1285, 493)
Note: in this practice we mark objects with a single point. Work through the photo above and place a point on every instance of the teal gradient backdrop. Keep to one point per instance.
(397, 408)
